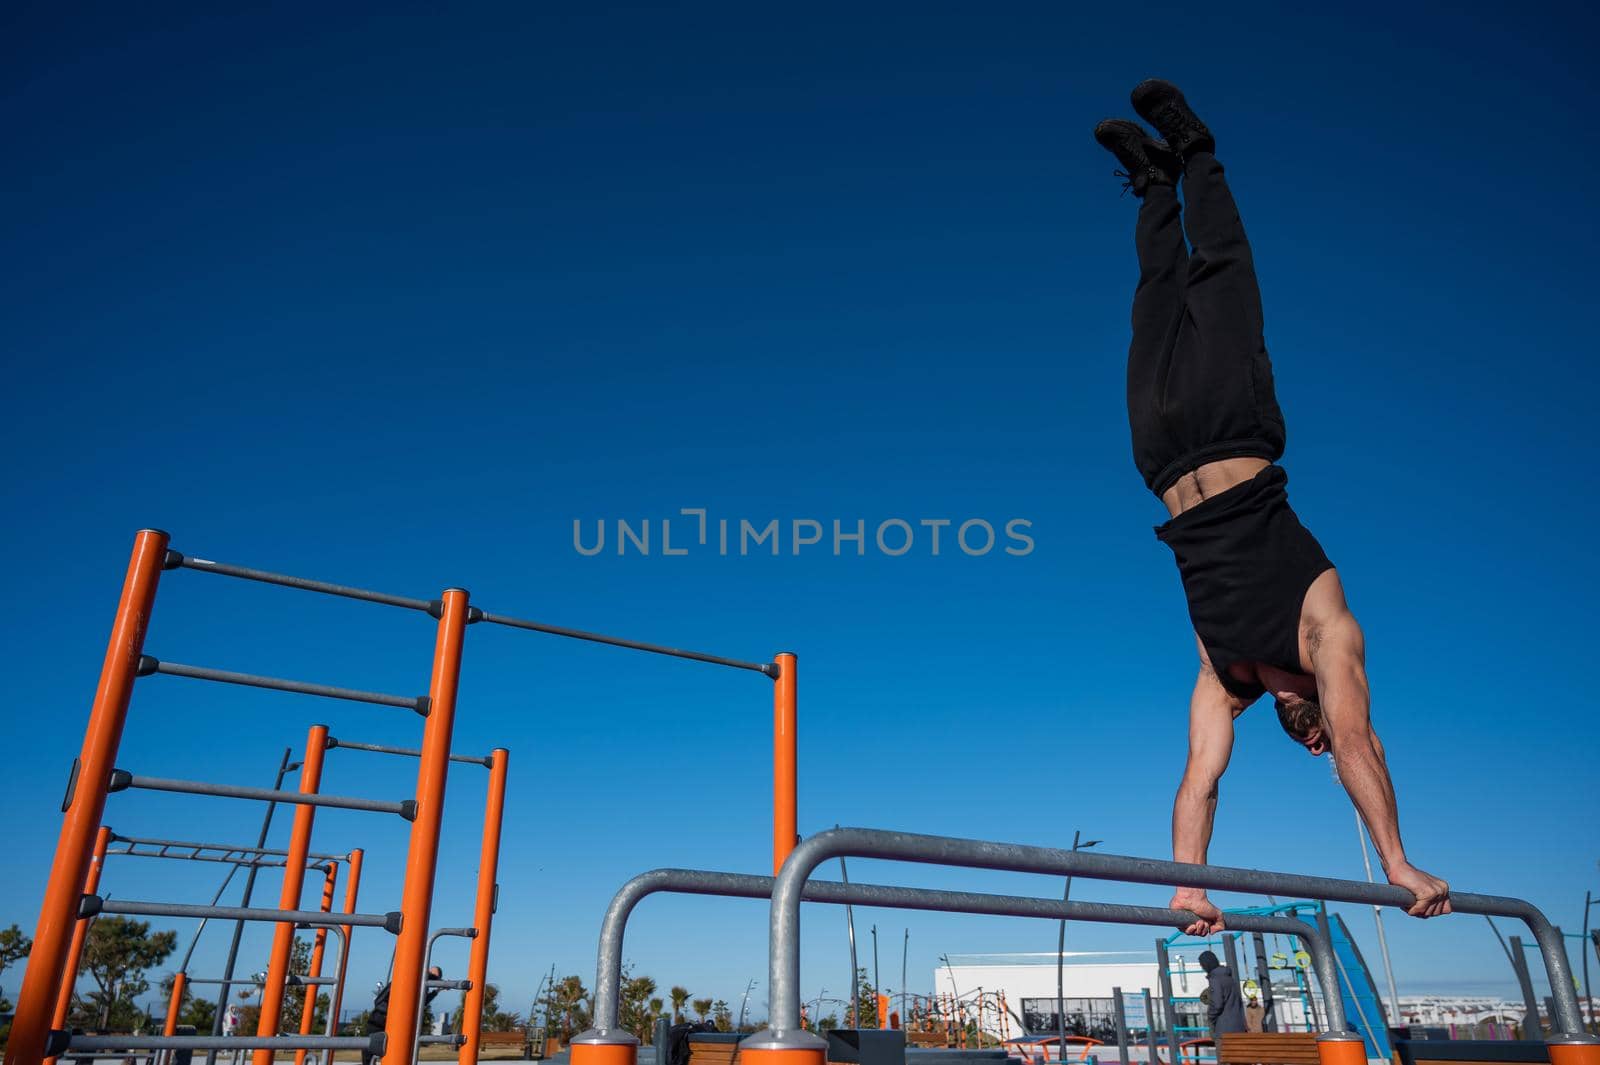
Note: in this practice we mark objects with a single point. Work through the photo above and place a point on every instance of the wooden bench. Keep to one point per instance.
(1459, 1051)
(926, 1039)
(1267, 1048)
(713, 1048)
(502, 1041)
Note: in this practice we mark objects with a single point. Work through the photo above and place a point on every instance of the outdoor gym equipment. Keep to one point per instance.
(785, 1042)
(93, 775)
(607, 1044)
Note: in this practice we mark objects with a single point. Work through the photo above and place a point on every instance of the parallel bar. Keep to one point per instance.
(133, 908)
(144, 841)
(451, 985)
(227, 1042)
(85, 802)
(984, 854)
(243, 863)
(149, 665)
(405, 752)
(122, 779)
(608, 977)
(616, 641)
(304, 584)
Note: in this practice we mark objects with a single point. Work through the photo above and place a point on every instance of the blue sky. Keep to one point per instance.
(394, 296)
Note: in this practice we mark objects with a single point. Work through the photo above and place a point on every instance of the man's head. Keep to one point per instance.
(1208, 960)
(1301, 718)
(435, 973)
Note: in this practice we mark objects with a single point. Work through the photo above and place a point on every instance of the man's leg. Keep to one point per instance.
(1223, 293)
(1157, 313)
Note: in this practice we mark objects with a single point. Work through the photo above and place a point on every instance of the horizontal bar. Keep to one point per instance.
(225, 1042)
(987, 854)
(304, 584)
(608, 979)
(149, 842)
(769, 668)
(451, 985)
(244, 863)
(298, 980)
(149, 665)
(442, 1040)
(406, 752)
(121, 780)
(95, 904)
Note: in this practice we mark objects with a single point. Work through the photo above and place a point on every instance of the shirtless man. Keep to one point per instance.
(1268, 609)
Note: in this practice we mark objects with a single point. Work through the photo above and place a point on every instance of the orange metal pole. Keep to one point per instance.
(294, 876)
(85, 803)
(785, 760)
(883, 1011)
(1341, 1051)
(319, 942)
(422, 857)
(180, 980)
(350, 892)
(483, 913)
(80, 932)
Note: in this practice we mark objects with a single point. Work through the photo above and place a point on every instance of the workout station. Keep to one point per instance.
(400, 915)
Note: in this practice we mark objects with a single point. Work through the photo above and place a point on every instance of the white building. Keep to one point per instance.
(1026, 984)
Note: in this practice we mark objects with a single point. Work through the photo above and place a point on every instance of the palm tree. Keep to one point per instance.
(702, 1006)
(680, 996)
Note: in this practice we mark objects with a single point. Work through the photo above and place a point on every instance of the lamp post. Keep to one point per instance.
(744, 1002)
(1061, 957)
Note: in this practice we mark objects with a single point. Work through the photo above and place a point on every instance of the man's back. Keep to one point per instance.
(1227, 1005)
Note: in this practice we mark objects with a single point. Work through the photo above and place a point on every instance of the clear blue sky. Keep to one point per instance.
(392, 297)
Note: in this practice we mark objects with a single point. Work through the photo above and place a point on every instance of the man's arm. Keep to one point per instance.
(1338, 656)
(1212, 709)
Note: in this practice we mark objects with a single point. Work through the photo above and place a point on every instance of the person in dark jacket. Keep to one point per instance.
(379, 1017)
(1226, 1009)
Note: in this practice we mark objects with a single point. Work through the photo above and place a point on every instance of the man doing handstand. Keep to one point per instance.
(1268, 610)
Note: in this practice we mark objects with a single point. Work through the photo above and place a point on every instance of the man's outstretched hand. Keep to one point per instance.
(1433, 894)
(1196, 902)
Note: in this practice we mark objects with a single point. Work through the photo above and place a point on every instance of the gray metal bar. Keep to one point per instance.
(149, 665)
(983, 854)
(455, 1040)
(145, 841)
(1150, 1027)
(297, 980)
(230, 1042)
(608, 978)
(406, 752)
(221, 1004)
(1269, 1022)
(1122, 1025)
(305, 584)
(121, 779)
(450, 985)
(1164, 971)
(93, 904)
(1531, 1028)
(769, 668)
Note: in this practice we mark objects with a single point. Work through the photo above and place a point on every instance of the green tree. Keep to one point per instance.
(680, 998)
(194, 1010)
(634, 1012)
(116, 954)
(722, 1016)
(567, 1008)
(701, 1007)
(492, 1018)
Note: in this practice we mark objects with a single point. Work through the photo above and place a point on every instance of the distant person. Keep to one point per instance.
(1267, 606)
(1225, 1009)
(1255, 1013)
(379, 1015)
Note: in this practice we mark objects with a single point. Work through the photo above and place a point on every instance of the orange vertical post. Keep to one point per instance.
(85, 803)
(785, 759)
(180, 980)
(883, 1011)
(319, 942)
(351, 890)
(294, 876)
(69, 979)
(1339, 1050)
(422, 856)
(483, 912)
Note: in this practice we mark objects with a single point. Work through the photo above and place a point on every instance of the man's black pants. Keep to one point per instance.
(1199, 380)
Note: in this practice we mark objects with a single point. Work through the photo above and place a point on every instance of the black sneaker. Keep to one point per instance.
(1161, 104)
(1145, 160)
